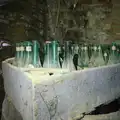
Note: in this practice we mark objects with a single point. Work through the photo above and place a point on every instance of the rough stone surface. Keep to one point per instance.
(9, 112)
(22, 20)
(38, 96)
(97, 22)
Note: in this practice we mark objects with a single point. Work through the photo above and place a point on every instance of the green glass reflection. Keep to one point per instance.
(36, 58)
(55, 54)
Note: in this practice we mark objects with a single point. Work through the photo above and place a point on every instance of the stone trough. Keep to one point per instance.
(57, 94)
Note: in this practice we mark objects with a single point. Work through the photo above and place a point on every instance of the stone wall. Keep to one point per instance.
(22, 20)
(77, 20)
(97, 21)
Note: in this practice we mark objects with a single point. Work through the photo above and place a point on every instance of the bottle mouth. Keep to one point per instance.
(47, 41)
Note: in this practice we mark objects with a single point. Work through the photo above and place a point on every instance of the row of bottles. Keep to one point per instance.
(98, 55)
(69, 56)
(27, 54)
(51, 50)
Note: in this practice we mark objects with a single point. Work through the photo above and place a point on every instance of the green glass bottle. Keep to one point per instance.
(105, 49)
(117, 43)
(84, 57)
(79, 67)
(17, 55)
(48, 55)
(99, 61)
(55, 54)
(113, 55)
(118, 53)
(68, 57)
(90, 50)
(75, 48)
(93, 57)
(60, 54)
(28, 55)
(36, 59)
(106, 57)
(21, 59)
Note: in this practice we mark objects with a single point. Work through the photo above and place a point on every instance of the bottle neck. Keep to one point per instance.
(55, 53)
(35, 53)
(68, 50)
(48, 49)
(28, 51)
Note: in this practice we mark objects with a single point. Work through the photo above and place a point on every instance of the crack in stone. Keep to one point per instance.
(51, 104)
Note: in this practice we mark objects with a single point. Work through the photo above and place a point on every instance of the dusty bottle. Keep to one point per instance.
(84, 57)
(113, 55)
(118, 53)
(55, 54)
(99, 61)
(79, 66)
(28, 54)
(68, 57)
(36, 59)
(17, 55)
(105, 55)
(60, 52)
(75, 48)
(48, 55)
(93, 57)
